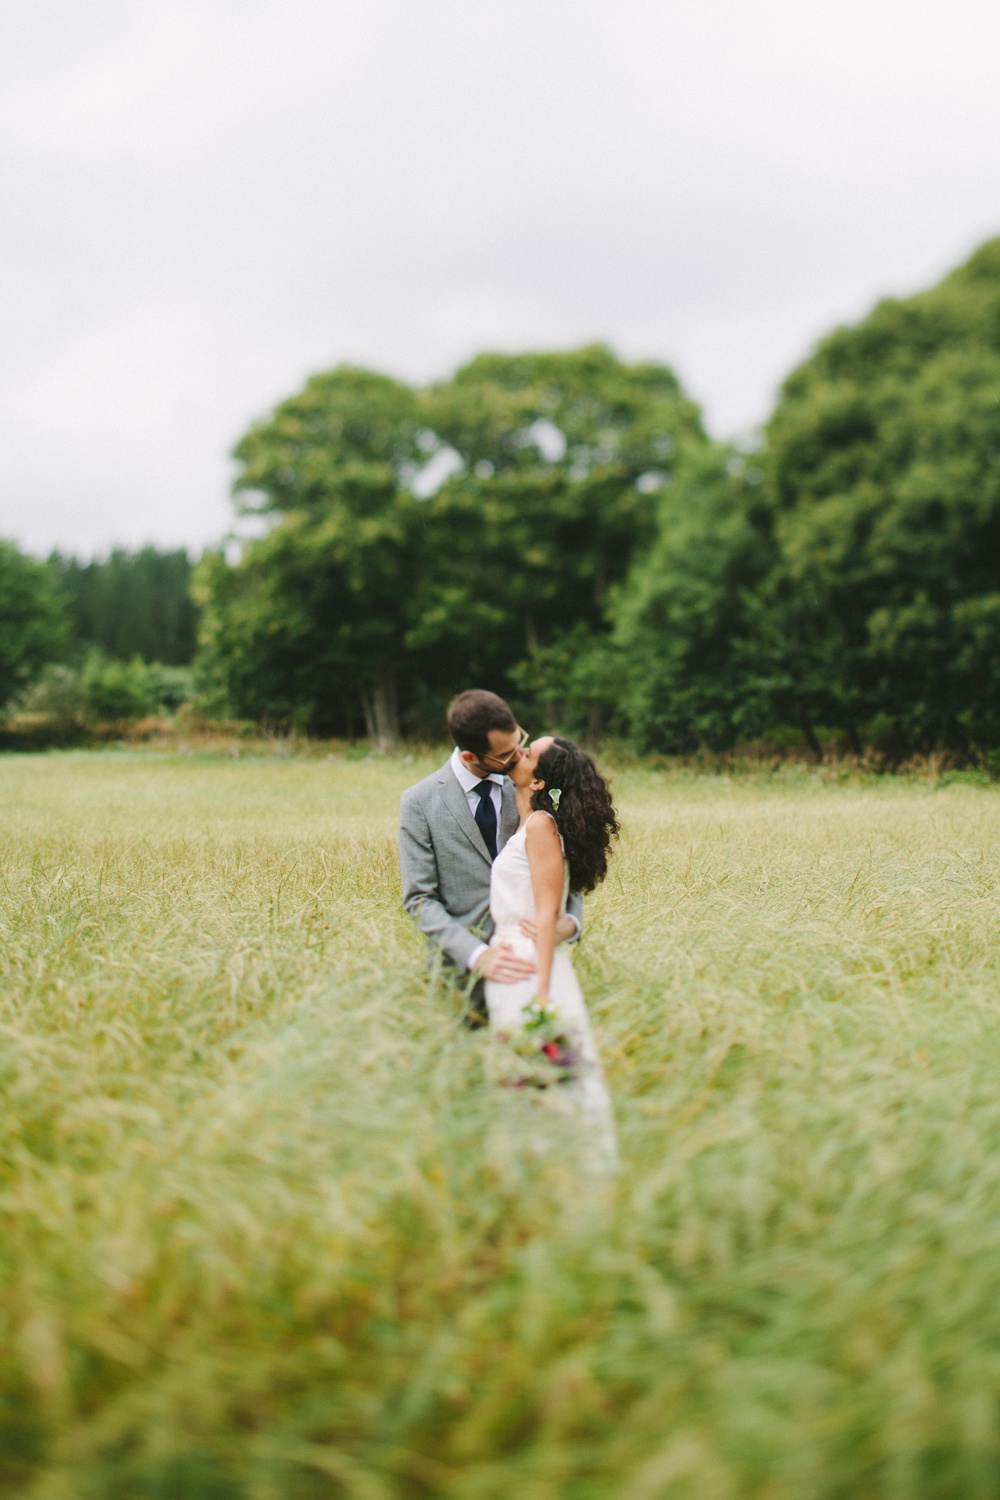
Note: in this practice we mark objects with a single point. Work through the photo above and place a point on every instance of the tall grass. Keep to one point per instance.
(263, 1234)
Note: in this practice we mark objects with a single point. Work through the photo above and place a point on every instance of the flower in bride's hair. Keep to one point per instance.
(554, 796)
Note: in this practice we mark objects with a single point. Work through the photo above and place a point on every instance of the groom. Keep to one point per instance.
(452, 825)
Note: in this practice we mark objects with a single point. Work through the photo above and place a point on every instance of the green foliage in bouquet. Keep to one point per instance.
(543, 1051)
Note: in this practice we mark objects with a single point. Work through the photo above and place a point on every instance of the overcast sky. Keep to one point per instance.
(206, 200)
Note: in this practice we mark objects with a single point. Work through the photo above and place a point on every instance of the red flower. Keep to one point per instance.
(551, 1051)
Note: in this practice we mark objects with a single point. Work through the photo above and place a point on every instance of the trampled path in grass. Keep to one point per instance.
(262, 1234)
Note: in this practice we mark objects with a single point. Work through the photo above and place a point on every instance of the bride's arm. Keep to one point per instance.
(545, 861)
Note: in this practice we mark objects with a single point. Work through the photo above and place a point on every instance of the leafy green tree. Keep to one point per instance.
(375, 585)
(104, 691)
(33, 624)
(882, 612)
(132, 604)
(56, 697)
(561, 459)
(316, 613)
(117, 691)
(686, 614)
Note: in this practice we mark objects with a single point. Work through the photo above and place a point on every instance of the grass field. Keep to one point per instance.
(260, 1237)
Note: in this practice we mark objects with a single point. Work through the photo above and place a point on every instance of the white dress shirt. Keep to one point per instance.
(468, 781)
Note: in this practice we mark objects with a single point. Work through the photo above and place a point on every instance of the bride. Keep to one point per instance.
(546, 1045)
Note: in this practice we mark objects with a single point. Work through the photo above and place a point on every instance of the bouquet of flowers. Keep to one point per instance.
(540, 1054)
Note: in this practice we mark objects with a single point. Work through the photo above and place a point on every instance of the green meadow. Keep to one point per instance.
(264, 1234)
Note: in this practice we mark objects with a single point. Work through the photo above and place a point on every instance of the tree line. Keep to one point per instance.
(107, 640)
(561, 528)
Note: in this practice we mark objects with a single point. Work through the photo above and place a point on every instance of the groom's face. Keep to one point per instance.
(506, 749)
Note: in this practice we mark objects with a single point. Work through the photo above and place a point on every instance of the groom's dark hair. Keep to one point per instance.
(472, 715)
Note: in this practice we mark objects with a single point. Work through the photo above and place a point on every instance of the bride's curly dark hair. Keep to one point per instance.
(585, 817)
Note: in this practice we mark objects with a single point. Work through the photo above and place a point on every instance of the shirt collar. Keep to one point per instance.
(466, 780)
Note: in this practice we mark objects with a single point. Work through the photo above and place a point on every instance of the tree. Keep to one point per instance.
(685, 616)
(557, 527)
(881, 615)
(378, 586)
(316, 612)
(560, 461)
(33, 625)
(132, 604)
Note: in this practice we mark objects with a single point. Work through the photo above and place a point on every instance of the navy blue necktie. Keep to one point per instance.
(486, 816)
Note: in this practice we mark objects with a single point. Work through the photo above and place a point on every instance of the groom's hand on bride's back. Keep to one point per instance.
(504, 965)
(566, 928)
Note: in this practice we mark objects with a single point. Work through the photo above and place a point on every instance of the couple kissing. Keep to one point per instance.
(496, 851)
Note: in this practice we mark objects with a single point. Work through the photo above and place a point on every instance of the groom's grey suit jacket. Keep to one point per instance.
(446, 866)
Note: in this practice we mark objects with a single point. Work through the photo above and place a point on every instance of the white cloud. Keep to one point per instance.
(207, 199)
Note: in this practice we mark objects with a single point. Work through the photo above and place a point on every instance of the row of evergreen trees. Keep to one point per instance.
(131, 604)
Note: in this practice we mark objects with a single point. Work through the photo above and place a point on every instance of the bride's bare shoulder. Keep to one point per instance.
(541, 825)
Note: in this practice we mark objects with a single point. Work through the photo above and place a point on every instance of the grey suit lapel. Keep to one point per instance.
(508, 811)
(454, 799)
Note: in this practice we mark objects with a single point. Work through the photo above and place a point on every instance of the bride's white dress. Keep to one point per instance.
(586, 1096)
